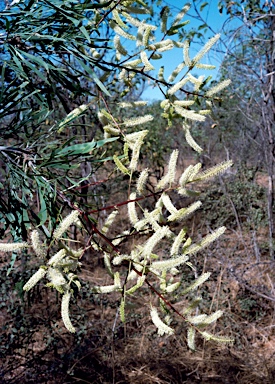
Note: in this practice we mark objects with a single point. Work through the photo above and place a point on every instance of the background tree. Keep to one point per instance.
(247, 47)
(254, 67)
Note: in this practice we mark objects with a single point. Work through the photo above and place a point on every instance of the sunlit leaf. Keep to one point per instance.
(42, 214)
(81, 149)
(85, 33)
(203, 5)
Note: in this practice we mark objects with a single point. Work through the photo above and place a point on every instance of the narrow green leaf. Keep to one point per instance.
(43, 208)
(26, 219)
(34, 69)
(18, 68)
(36, 59)
(66, 12)
(77, 149)
(203, 26)
(203, 5)
(2, 79)
(7, 24)
(100, 143)
(94, 76)
(81, 149)
(61, 165)
(175, 28)
(85, 33)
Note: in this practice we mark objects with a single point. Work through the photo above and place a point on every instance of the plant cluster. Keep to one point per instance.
(52, 174)
(244, 194)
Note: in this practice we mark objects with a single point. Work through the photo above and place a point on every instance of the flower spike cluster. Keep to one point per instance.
(59, 269)
(163, 249)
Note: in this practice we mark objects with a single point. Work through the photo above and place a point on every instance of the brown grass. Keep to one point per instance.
(111, 352)
(35, 347)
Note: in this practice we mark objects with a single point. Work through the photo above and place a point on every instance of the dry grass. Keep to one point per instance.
(35, 347)
(107, 351)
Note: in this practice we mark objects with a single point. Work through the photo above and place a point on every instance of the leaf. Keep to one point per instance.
(61, 165)
(81, 149)
(66, 13)
(13, 259)
(203, 5)
(37, 60)
(174, 29)
(43, 208)
(85, 33)
(94, 76)
(7, 24)
(100, 143)
(19, 288)
(203, 26)
(77, 149)
(26, 219)
(35, 70)
(19, 67)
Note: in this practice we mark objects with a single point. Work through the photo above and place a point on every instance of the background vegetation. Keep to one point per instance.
(56, 58)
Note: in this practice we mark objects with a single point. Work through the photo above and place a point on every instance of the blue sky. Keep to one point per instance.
(172, 58)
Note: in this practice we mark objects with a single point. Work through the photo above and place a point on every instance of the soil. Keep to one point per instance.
(36, 348)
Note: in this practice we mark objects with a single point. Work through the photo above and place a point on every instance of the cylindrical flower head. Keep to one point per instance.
(37, 245)
(56, 277)
(55, 259)
(65, 224)
(142, 181)
(161, 326)
(132, 213)
(10, 247)
(35, 278)
(65, 312)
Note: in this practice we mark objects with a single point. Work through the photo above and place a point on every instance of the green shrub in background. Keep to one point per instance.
(69, 69)
(242, 196)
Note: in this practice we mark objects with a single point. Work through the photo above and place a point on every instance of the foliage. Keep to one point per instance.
(62, 79)
(251, 64)
(244, 194)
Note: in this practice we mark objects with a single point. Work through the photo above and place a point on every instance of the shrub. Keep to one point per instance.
(62, 80)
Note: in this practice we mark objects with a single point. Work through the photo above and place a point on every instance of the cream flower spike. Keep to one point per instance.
(65, 224)
(10, 247)
(161, 326)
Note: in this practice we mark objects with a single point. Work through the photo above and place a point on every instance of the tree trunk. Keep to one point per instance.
(268, 114)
